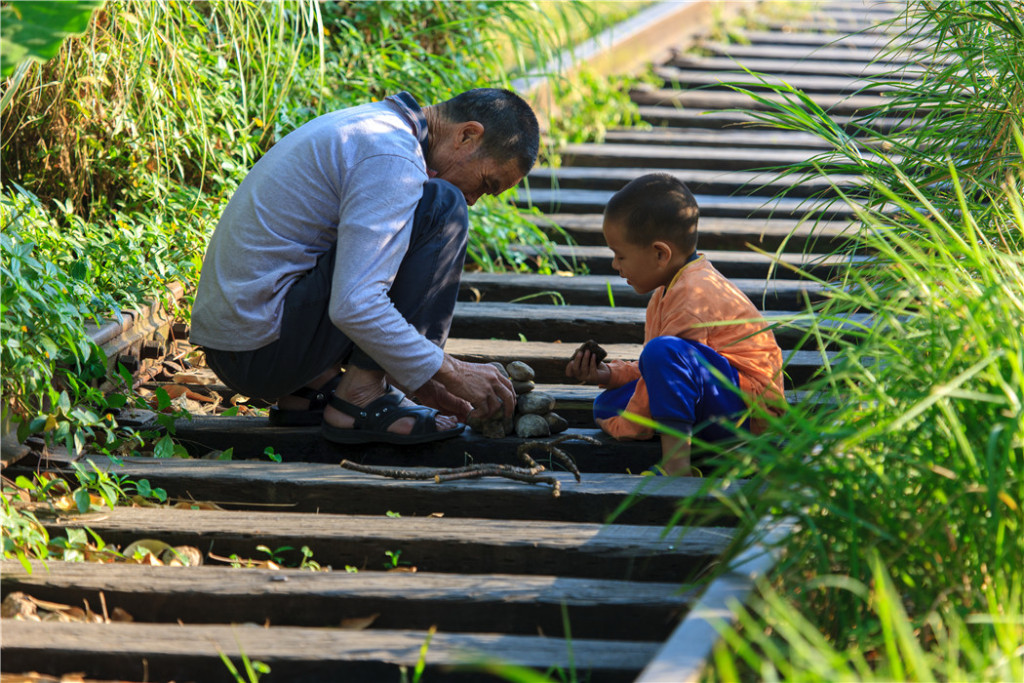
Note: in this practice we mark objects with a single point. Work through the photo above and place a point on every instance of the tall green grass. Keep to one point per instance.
(906, 471)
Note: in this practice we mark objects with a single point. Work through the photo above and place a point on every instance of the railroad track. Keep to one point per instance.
(502, 569)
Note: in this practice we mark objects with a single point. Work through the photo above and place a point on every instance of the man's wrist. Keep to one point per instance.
(448, 371)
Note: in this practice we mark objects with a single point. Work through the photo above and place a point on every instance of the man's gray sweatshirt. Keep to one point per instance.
(350, 178)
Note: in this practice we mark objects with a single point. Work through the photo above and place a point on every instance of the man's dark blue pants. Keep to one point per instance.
(424, 292)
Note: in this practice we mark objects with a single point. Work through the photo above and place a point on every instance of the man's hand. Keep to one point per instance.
(435, 395)
(585, 367)
(488, 391)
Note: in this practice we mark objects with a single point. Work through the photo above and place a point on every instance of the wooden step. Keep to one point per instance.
(787, 54)
(757, 207)
(834, 105)
(327, 488)
(836, 85)
(598, 261)
(717, 119)
(815, 37)
(549, 359)
(744, 263)
(808, 64)
(690, 158)
(828, 27)
(450, 545)
(592, 290)
(544, 322)
(250, 436)
(731, 138)
(139, 652)
(793, 54)
(702, 182)
(720, 233)
(522, 605)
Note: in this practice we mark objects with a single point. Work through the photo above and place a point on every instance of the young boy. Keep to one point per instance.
(651, 227)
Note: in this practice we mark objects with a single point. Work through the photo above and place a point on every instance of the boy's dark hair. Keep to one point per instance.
(510, 126)
(653, 207)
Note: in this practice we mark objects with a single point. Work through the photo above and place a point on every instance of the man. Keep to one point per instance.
(343, 248)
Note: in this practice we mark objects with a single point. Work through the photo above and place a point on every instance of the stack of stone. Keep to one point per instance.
(534, 416)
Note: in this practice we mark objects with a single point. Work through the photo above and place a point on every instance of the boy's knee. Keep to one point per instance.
(668, 349)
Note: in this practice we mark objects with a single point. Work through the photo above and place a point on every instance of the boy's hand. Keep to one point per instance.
(585, 367)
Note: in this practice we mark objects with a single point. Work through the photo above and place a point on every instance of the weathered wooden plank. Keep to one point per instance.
(829, 28)
(706, 99)
(737, 138)
(249, 436)
(740, 263)
(716, 119)
(327, 488)
(140, 652)
(583, 550)
(718, 233)
(548, 359)
(807, 64)
(519, 604)
(592, 290)
(485, 320)
(815, 36)
(689, 158)
(809, 83)
(828, 53)
(703, 182)
(752, 208)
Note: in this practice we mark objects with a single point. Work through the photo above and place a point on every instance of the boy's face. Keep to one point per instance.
(644, 267)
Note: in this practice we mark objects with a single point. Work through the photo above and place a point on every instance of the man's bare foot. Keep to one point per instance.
(362, 387)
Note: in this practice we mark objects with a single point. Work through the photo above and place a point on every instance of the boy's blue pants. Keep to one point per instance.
(683, 391)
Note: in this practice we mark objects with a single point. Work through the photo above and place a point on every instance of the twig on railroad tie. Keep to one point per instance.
(386, 471)
(525, 474)
(551, 448)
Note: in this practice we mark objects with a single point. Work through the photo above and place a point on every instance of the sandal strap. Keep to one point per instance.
(382, 412)
(318, 398)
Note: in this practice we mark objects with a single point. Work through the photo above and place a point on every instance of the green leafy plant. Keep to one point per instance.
(393, 561)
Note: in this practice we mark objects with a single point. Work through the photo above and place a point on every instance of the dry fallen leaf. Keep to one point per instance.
(120, 615)
(358, 623)
(196, 505)
(18, 606)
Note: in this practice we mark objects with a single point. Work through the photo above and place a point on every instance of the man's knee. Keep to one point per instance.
(442, 208)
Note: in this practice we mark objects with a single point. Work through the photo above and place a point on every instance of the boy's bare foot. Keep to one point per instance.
(675, 455)
(361, 387)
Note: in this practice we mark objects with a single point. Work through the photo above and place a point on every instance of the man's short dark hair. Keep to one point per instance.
(653, 207)
(510, 126)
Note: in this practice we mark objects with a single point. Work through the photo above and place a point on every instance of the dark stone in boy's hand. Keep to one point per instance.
(594, 348)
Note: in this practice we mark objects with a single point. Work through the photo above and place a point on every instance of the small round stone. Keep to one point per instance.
(535, 403)
(556, 423)
(500, 367)
(520, 371)
(528, 426)
(522, 387)
(494, 429)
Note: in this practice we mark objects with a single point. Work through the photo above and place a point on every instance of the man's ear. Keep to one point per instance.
(469, 133)
(664, 252)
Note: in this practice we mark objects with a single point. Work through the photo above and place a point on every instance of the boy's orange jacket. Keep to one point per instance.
(699, 295)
